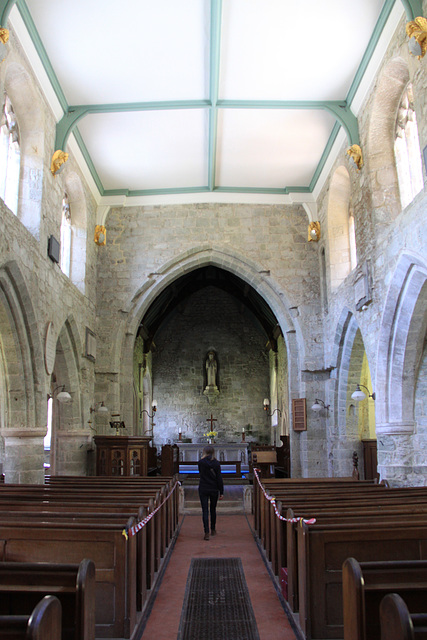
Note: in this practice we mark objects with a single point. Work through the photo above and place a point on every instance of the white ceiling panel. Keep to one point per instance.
(270, 148)
(148, 150)
(210, 54)
(127, 51)
(283, 50)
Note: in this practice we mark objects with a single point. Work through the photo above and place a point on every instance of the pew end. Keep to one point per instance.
(44, 622)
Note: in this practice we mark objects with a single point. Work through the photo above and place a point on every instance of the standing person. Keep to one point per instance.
(210, 485)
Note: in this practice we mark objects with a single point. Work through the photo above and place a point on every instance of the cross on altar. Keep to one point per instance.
(211, 420)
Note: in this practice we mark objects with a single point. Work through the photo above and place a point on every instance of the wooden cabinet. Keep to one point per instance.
(121, 455)
(370, 459)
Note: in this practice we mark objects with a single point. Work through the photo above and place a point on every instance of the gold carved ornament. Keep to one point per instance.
(355, 153)
(100, 237)
(417, 34)
(314, 231)
(4, 35)
(58, 160)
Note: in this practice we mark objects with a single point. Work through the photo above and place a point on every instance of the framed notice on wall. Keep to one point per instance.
(299, 414)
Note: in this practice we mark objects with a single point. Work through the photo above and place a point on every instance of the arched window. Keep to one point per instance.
(407, 150)
(66, 236)
(341, 234)
(352, 240)
(10, 157)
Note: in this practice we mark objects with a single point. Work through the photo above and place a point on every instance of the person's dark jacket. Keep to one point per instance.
(210, 476)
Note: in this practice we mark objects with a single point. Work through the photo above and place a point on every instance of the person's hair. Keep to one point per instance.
(208, 451)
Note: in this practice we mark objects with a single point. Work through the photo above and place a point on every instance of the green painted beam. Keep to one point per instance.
(373, 41)
(206, 189)
(5, 8)
(76, 112)
(339, 109)
(325, 155)
(214, 66)
(35, 37)
(413, 8)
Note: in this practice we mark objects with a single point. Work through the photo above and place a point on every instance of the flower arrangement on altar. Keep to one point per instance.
(211, 435)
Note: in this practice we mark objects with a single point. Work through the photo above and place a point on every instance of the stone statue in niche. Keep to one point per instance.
(211, 369)
(211, 364)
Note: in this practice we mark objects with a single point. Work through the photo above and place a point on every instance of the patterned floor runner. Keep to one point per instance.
(217, 605)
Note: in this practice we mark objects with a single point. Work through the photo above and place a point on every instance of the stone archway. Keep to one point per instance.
(352, 368)
(69, 432)
(401, 364)
(22, 412)
(401, 341)
(227, 260)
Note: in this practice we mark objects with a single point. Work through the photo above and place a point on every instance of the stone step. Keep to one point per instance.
(237, 499)
(192, 480)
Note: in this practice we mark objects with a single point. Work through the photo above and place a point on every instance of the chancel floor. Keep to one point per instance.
(234, 539)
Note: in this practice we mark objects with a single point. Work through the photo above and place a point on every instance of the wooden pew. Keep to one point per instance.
(273, 534)
(322, 550)
(151, 541)
(364, 586)
(356, 509)
(397, 623)
(44, 623)
(114, 558)
(22, 584)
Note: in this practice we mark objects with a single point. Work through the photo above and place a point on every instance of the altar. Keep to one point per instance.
(192, 452)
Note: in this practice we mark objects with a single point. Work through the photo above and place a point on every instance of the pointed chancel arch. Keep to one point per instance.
(249, 272)
(22, 417)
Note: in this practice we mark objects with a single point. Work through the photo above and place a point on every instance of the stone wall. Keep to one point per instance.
(34, 292)
(210, 320)
(323, 347)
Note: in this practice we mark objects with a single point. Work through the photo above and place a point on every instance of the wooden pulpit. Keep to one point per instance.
(122, 455)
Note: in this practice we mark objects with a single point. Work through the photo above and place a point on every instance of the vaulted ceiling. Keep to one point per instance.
(174, 298)
(205, 100)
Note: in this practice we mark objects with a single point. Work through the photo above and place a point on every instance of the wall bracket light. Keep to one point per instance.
(63, 396)
(319, 405)
(99, 409)
(359, 395)
(267, 406)
(150, 415)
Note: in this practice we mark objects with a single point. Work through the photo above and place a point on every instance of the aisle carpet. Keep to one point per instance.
(217, 605)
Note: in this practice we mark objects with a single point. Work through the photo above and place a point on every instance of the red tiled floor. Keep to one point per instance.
(233, 540)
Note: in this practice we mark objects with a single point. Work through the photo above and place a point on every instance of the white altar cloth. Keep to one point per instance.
(191, 452)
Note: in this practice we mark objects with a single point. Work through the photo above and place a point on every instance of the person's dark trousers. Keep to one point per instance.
(205, 497)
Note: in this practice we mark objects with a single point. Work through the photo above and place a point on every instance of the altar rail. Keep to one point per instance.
(236, 463)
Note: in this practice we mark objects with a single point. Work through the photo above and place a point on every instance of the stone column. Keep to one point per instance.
(23, 455)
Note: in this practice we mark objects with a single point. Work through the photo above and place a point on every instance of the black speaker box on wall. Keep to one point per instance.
(53, 249)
